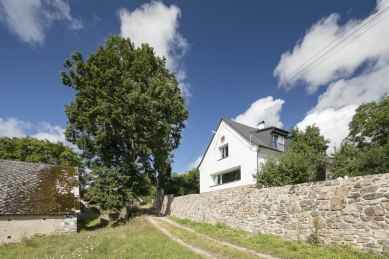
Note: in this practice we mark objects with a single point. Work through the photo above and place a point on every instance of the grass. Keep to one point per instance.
(213, 248)
(138, 238)
(274, 245)
(135, 239)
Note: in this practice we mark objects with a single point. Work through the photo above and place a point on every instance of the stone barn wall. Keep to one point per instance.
(353, 211)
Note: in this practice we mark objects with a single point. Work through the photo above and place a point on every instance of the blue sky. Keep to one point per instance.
(234, 59)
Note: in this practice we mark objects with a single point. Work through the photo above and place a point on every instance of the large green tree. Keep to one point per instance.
(366, 148)
(126, 116)
(299, 164)
(30, 149)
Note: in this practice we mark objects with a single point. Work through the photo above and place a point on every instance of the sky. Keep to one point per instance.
(289, 63)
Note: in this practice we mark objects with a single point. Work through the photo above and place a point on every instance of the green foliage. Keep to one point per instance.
(344, 159)
(352, 161)
(299, 164)
(370, 124)
(108, 191)
(126, 116)
(366, 149)
(184, 184)
(30, 149)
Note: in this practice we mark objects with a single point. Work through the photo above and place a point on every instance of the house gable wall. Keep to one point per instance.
(241, 155)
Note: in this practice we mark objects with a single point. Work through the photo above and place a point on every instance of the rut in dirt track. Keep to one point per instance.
(202, 252)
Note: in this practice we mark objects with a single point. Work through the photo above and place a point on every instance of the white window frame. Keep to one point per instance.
(224, 152)
(280, 143)
(218, 178)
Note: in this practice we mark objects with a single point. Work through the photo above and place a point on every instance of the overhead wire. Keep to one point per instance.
(346, 44)
(340, 36)
(338, 44)
(272, 90)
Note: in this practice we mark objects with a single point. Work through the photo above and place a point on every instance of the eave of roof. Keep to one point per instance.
(245, 131)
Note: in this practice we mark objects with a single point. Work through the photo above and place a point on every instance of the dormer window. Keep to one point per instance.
(223, 151)
(278, 142)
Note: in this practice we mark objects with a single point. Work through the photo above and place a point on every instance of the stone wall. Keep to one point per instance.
(353, 211)
(14, 227)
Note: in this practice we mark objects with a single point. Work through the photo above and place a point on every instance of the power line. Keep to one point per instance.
(302, 70)
(347, 44)
(340, 36)
(338, 44)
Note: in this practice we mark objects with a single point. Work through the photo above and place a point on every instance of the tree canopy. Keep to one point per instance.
(126, 116)
(30, 149)
(299, 164)
(366, 148)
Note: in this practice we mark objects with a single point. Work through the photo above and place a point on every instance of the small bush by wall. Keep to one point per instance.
(352, 211)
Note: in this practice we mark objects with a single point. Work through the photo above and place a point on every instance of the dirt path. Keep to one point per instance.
(154, 221)
(163, 230)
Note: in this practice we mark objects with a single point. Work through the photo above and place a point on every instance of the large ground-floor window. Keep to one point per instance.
(227, 177)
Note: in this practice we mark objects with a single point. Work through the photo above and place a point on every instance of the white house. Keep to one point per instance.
(235, 153)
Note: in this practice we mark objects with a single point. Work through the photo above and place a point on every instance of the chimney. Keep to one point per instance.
(261, 125)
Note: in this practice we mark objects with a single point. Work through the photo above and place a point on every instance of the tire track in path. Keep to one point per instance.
(163, 230)
(202, 252)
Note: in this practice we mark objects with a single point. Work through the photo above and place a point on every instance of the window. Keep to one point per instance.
(227, 177)
(278, 142)
(223, 152)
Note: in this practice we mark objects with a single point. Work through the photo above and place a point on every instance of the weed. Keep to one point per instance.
(28, 241)
(299, 232)
(220, 224)
(314, 237)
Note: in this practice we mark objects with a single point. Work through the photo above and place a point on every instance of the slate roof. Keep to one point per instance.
(245, 131)
(32, 188)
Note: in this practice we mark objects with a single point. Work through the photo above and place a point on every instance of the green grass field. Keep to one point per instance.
(136, 239)
(274, 245)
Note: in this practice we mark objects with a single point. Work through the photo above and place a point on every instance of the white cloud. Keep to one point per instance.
(333, 123)
(369, 44)
(195, 163)
(30, 19)
(51, 133)
(366, 87)
(12, 127)
(157, 25)
(265, 109)
(354, 73)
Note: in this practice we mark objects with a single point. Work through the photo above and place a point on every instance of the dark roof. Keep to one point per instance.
(245, 131)
(32, 188)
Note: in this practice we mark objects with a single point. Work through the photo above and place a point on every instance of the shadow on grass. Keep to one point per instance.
(92, 224)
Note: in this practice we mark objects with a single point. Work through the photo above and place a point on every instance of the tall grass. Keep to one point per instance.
(135, 239)
(274, 245)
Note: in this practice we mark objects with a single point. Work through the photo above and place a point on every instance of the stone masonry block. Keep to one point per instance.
(337, 203)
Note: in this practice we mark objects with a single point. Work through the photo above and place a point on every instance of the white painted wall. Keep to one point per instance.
(14, 227)
(240, 155)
